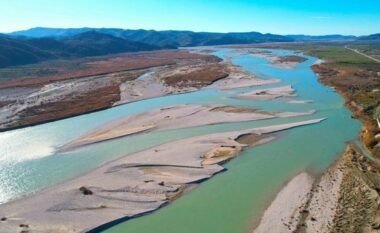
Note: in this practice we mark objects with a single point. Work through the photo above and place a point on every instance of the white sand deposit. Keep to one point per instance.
(174, 117)
(305, 204)
(284, 212)
(133, 185)
(269, 93)
(239, 78)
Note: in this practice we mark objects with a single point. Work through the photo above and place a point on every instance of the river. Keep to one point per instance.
(229, 202)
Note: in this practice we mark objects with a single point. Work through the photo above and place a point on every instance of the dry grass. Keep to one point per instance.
(203, 76)
(49, 72)
(87, 102)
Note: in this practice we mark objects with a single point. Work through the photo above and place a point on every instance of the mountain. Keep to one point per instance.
(93, 44)
(39, 32)
(336, 37)
(189, 38)
(166, 39)
(245, 38)
(17, 51)
(371, 37)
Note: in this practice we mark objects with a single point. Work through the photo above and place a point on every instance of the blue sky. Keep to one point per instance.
(274, 16)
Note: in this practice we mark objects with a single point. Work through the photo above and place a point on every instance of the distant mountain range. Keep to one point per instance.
(321, 38)
(40, 44)
(371, 37)
(166, 39)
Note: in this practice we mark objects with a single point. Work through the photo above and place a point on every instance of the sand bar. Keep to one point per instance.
(269, 93)
(131, 186)
(239, 78)
(281, 62)
(174, 117)
(299, 101)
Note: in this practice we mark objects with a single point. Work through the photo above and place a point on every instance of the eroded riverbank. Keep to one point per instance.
(344, 199)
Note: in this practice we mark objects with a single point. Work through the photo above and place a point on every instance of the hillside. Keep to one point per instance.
(322, 37)
(17, 52)
(371, 37)
(27, 51)
(94, 44)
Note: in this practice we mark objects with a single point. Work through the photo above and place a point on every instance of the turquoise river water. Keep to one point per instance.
(229, 202)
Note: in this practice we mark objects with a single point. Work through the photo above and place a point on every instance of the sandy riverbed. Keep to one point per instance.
(133, 185)
(269, 93)
(283, 213)
(305, 204)
(174, 117)
(239, 78)
(343, 199)
(153, 85)
(287, 62)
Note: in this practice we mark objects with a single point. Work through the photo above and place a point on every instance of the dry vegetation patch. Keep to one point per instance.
(198, 77)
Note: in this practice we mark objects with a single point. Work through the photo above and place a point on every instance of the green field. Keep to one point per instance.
(372, 49)
(336, 53)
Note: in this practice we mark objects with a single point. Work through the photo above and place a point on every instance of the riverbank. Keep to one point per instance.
(133, 185)
(344, 199)
(360, 91)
